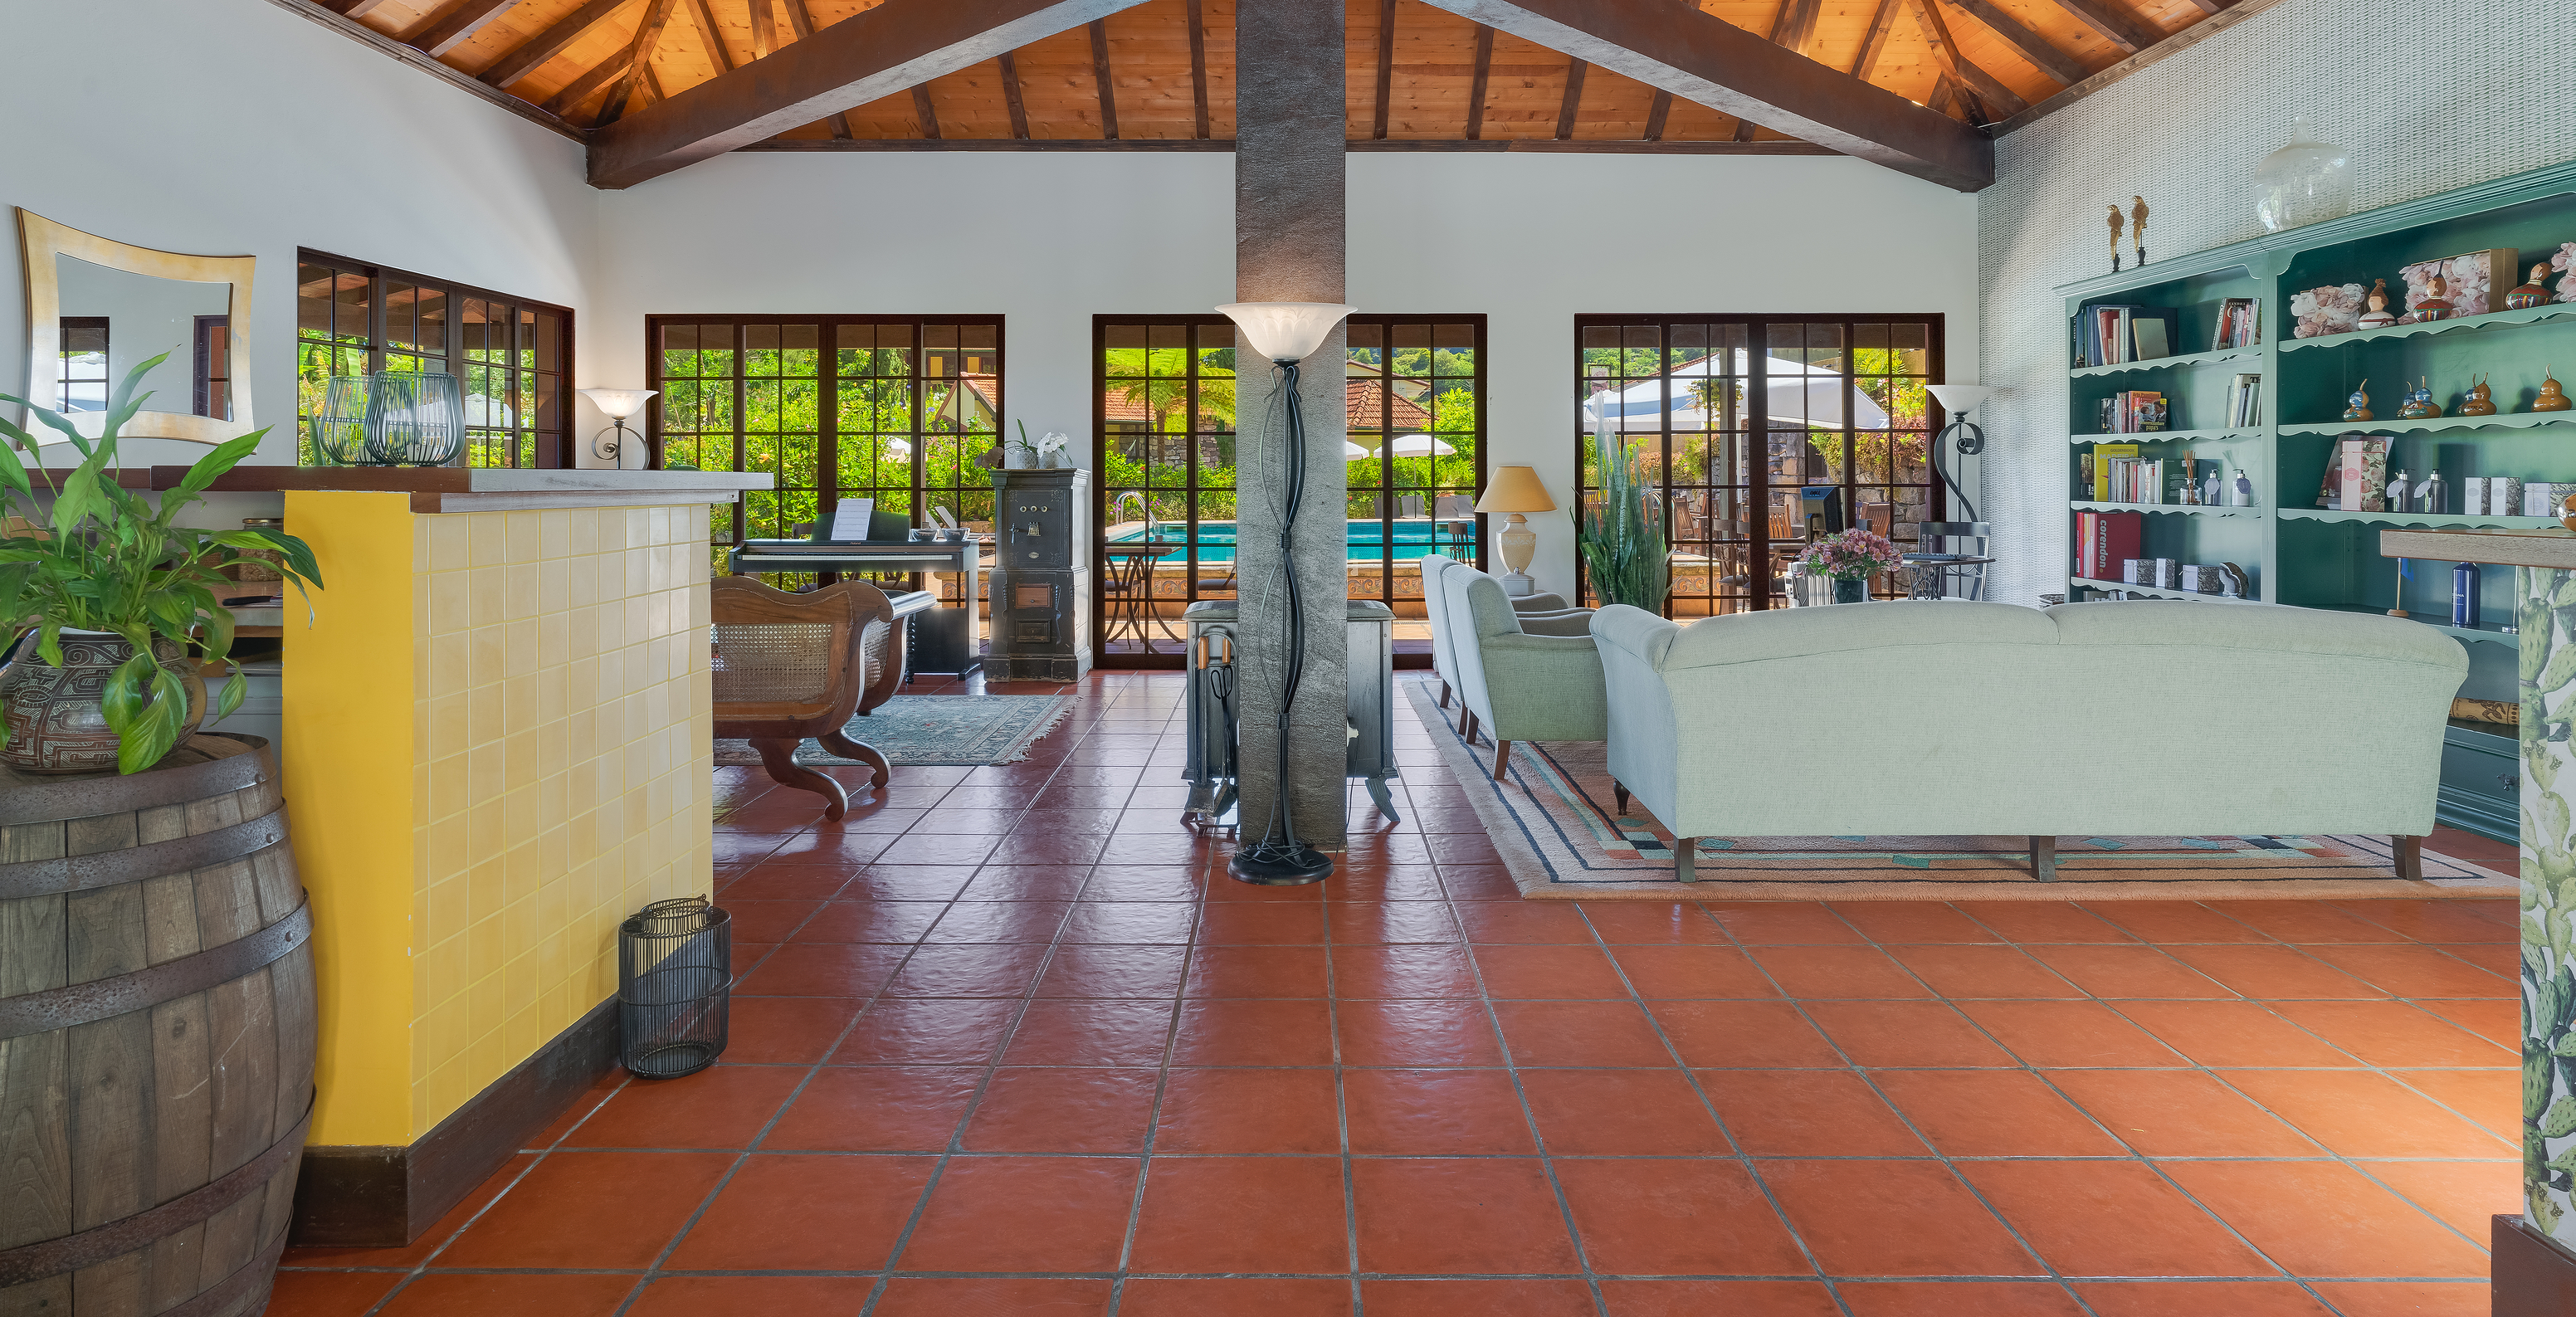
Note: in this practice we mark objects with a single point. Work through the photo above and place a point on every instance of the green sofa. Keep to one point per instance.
(1950, 718)
(1444, 654)
(1520, 676)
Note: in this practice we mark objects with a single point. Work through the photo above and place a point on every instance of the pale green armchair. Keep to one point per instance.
(1948, 718)
(1520, 676)
(1444, 654)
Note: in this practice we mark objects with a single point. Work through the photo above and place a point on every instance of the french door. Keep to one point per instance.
(1750, 428)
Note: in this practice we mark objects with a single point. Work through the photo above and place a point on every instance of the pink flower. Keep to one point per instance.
(1854, 555)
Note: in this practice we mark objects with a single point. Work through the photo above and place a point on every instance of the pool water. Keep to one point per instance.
(1366, 540)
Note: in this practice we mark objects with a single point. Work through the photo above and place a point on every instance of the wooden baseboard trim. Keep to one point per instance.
(2535, 1276)
(385, 1196)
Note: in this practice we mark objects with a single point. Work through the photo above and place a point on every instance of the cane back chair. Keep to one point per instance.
(792, 666)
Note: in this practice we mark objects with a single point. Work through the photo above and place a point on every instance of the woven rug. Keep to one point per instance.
(1555, 820)
(936, 729)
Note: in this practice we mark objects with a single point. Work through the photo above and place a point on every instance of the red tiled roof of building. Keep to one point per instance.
(1365, 397)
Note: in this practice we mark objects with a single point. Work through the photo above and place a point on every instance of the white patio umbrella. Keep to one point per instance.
(1800, 394)
(1421, 445)
(1352, 452)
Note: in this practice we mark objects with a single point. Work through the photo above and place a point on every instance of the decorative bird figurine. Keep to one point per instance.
(2115, 238)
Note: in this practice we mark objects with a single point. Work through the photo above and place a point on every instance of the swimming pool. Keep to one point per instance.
(1366, 540)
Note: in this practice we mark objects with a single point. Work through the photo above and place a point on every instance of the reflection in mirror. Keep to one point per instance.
(114, 320)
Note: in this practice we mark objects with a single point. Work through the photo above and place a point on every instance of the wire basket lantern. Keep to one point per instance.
(339, 425)
(414, 418)
(674, 985)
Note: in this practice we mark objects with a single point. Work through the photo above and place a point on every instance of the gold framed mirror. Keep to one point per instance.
(96, 308)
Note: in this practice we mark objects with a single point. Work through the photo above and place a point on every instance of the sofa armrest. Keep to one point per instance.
(1542, 602)
(1573, 622)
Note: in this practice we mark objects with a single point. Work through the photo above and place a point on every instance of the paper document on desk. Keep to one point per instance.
(850, 518)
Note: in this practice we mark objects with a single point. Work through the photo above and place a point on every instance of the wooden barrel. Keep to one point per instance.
(156, 1036)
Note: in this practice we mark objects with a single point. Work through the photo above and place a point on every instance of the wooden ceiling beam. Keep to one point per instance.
(1791, 25)
(1573, 100)
(2234, 13)
(764, 29)
(523, 59)
(1020, 108)
(800, 21)
(2040, 51)
(1708, 61)
(1198, 73)
(1385, 67)
(350, 8)
(2116, 24)
(453, 22)
(875, 53)
(1100, 78)
(639, 61)
(1991, 99)
(1874, 43)
(1484, 74)
(923, 110)
(573, 93)
(1656, 114)
(705, 18)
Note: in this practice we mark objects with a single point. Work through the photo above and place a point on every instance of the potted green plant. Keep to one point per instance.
(1622, 533)
(104, 596)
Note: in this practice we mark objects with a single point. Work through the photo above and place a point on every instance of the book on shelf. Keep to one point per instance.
(2151, 480)
(2134, 411)
(2103, 540)
(2245, 400)
(2100, 475)
(2240, 324)
(2115, 334)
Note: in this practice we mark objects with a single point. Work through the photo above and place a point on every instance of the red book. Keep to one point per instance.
(2087, 525)
(2117, 540)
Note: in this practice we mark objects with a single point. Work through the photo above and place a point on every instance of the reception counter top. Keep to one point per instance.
(473, 489)
(2502, 548)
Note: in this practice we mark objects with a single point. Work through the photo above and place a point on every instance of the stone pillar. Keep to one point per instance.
(1288, 247)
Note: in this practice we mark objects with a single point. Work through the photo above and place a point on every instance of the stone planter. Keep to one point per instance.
(52, 714)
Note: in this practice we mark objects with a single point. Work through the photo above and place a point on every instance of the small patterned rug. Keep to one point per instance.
(1556, 822)
(936, 729)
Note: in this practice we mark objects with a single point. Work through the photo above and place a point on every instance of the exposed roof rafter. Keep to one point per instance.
(523, 59)
(2042, 54)
(455, 21)
(1699, 58)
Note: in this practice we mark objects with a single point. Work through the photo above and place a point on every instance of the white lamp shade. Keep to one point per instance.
(1959, 397)
(618, 404)
(1421, 445)
(1285, 331)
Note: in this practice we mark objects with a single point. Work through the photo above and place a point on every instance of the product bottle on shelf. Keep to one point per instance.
(2395, 498)
(2431, 495)
(2464, 595)
(2244, 492)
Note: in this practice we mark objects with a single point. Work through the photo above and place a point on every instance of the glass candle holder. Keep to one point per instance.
(2307, 181)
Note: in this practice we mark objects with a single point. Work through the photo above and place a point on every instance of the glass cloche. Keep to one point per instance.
(2304, 182)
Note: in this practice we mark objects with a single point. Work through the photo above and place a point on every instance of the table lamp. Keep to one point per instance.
(1516, 489)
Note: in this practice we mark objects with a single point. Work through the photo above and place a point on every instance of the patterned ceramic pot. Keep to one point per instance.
(52, 714)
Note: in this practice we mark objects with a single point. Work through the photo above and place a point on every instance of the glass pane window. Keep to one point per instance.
(1751, 431)
(507, 353)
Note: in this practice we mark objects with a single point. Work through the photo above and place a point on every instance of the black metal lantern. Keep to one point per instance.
(674, 984)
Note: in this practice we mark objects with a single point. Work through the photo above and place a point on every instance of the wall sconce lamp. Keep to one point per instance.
(616, 405)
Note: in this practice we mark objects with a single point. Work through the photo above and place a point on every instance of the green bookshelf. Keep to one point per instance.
(2294, 551)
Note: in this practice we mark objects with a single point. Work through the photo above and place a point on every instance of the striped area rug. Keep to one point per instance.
(1555, 820)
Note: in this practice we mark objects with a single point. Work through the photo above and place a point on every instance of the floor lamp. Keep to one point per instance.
(1958, 400)
(1285, 333)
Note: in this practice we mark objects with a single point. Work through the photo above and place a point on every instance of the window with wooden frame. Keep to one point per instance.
(893, 408)
(83, 385)
(1746, 426)
(508, 354)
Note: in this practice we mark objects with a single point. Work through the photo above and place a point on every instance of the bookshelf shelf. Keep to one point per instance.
(2185, 595)
(2314, 557)
(2420, 519)
(2175, 509)
(2173, 436)
(2489, 320)
(2438, 424)
(2189, 359)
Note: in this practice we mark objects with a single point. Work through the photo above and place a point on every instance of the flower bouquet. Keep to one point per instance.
(1850, 559)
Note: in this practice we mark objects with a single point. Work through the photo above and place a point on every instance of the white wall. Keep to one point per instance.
(1051, 239)
(2426, 96)
(224, 127)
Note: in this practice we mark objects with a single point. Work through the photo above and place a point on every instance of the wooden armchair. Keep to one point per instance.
(790, 666)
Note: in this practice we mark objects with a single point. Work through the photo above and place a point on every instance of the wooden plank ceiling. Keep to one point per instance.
(1163, 71)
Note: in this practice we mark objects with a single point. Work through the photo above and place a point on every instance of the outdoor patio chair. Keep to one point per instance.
(792, 666)
(1410, 505)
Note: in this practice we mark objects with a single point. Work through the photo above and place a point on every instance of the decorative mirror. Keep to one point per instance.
(96, 308)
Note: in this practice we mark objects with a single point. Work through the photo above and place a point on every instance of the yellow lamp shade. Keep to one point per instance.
(1515, 489)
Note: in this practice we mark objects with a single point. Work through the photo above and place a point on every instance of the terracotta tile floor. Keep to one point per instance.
(1001, 1044)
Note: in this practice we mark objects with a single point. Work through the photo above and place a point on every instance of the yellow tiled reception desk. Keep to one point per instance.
(496, 744)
